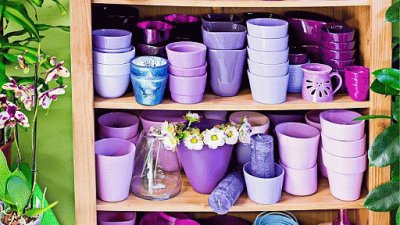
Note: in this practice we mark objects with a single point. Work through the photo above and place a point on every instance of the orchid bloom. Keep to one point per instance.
(22, 65)
(11, 117)
(57, 71)
(24, 92)
(48, 96)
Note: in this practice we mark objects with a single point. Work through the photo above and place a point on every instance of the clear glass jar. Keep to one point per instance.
(157, 174)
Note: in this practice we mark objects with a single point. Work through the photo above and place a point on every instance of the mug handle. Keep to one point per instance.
(336, 74)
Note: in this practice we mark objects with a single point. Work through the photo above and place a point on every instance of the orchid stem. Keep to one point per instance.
(19, 157)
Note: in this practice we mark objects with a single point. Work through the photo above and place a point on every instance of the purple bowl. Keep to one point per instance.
(305, 27)
(337, 33)
(339, 46)
(190, 72)
(154, 32)
(226, 220)
(221, 17)
(154, 50)
(339, 55)
(186, 54)
(118, 125)
(297, 55)
(338, 64)
(111, 39)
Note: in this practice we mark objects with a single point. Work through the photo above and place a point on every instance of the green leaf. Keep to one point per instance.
(4, 174)
(395, 108)
(19, 192)
(384, 198)
(392, 14)
(35, 212)
(386, 148)
(24, 167)
(369, 117)
(389, 77)
(44, 27)
(3, 77)
(395, 172)
(382, 89)
(60, 7)
(396, 53)
(398, 216)
(17, 13)
(37, 2)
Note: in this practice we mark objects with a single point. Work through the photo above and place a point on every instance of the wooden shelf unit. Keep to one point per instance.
(374, 46)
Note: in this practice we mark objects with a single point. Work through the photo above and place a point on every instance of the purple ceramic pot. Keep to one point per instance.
(107, 50)
(116, 218)
(154, 50)
(268, 44)
(187, 90)
(268, 70)
(297, 55)
(111, 86)
(111, 39)
(224, 35)
(337, 33)
(226, 71)
(339, 55)
(188, 72)
(113, 58)
(154, 32)
(313, 53)
(305, 27)
(118, 125)
(338, 46)
(338, 64)
(340, 125)
(186, 54)
(274, 57)
(357, 82)
(268, 90)
(300, 182)
(267, 28)
(111, 70)
(221, 17)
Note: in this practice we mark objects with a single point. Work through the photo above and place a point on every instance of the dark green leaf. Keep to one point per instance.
(37, 2)
(395, 40)
(17, 33)
(398, 216)
(392, 14)
(389, 77)
(386, 148)
(382, 89)
(369, 117)
(396, 53)
(395, 108)
(395, 171)
(3, 77)
(4, 174)
(60, 7)
(384, 198)
(43, 27)
(19, 192)
(35, 212)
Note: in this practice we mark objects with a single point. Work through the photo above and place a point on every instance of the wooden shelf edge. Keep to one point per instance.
(240, 3)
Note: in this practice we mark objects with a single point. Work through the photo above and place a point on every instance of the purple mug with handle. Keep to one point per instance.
(317, 83)
(357, 82)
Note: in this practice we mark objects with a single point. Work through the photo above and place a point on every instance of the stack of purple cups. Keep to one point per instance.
(153, 37)
(188, 71)
(344, 152)
(268, 59)
(120, 125)
(112, 51)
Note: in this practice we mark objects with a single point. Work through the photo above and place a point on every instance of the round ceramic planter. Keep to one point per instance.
(187, 90)
(111, 70)
(155, 118)
(268, 90)
(186, 54)
(148, 91)
(116, 218)
(268, 45)
(272, 58)
(272, 70)
(267, 28)
(259, 122)
(340, 125)
(118, 125)
(188, 72)
(111, 86)
(113, 58)
(111, 38)
(300, 182)
(346, 149)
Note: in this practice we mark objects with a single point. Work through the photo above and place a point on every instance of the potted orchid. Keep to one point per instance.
(204, 147)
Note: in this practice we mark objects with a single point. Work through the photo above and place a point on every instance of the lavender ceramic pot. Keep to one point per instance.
(259, 122)
(186, 54)
(267, 70)
(118, 125)
(271, 58)
(188, 72)
(226, 71)
(317, 84)
(111, 70)
(108, 50)
(284, 116)
(267, 28)
(113, 58)
(268, 44)
(187, 90)
(340, 125)
(297, 55)
(300, 182)
(337, 33)
(116, 218)
(111, 38)
(268, 90)
(154, 32)
(224, 35)
(221, 17)
(111, 86)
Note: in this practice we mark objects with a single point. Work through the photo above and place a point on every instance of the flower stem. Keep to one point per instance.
(19, 157)
(34, 132)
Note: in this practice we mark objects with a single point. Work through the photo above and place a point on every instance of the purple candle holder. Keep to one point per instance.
(226, 193)
(262, 156)
(154, 32)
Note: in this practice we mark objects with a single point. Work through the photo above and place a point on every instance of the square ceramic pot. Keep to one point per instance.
(222, 35)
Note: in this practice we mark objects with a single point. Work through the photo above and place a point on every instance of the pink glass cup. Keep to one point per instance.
(357, 82)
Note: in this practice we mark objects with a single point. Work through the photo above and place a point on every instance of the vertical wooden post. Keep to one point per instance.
(83, 113)
(380, 57)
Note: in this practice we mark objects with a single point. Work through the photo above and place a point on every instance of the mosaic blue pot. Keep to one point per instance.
(149, 90)
(149, 66)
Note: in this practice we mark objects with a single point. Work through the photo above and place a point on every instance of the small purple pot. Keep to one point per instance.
(300, 182)
(111, 39)
(111, 70)
(339, 124)
(268, 90)
(274, 57)
(154, 50)
(268, 44)
(337, 33)
(346, 149)
(190, 72)
(284, 116)
(267, 28)
(154, 32)
(118, 125)
(187, 90)
(186, 54)
(338, 46)
(155, 118)
(297, 55)
(111, 86)
(221, 17)
(119, 50)
(339, 55)
(224, 35)
(338, 64)
(357, 82)
(116, 218)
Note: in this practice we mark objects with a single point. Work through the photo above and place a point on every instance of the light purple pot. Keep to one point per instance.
(268, 69)
(155, 118)
(111, 38)
(300, 182)
(298, 145)
(113, 58)
(120, 50)
(268, 57)
(267, 28)
(256, 187)
(116, 218)
(226, 71)
(338, 124)
(338, 55)
(337, 33)
(297, 55)
(243, 153)
(186, 54)
(114, 168)
(258, 121)
(268, 45)
(190, 72)
(345, 175)
(111, 70)
(268, 90)
(224, 36)
(118, 125)
(357, 82)
(215, 115)
(346, 149)
(111, 86)
(187, 90)
(339, 46)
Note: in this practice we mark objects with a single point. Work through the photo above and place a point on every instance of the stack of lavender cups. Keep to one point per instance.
(344, 152)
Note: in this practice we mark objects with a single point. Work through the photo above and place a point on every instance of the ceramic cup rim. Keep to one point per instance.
(278, 64)
(270, 77)
(253, 21)
(323, 115)
(306, 126)
(299, 170)
(234, 115)
(132, 148)
(324, 68)
(164, 62)
(200, 47)
(267, 39)
(243, 28)
(100, 33)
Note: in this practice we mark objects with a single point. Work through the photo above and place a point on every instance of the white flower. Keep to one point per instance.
(170, 142)
(214, 138)
(231, 135)
(192, 117)
(194, 142)
(167, 128)
(245, 131)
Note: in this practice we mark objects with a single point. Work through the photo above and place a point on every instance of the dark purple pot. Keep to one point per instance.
(297, 55)
(114, 16)
(339, 46)
(337, 33)
(154, 32)
(187, 27)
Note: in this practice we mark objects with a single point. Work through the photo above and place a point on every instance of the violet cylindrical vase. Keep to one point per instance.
(226, 193)
(262, 156)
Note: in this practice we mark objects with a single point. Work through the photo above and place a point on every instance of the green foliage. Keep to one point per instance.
(386, 148)
(384, 198)
(19, 193)
(395, 172)
(392, 14)
(389, 77)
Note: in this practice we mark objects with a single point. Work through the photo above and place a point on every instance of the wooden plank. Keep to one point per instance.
(190, 201)
(243, 101)
(380, 57)
(83, 116)
(240, 3)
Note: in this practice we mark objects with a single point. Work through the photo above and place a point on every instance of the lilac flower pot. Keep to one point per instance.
(256, 187)
(155, 118)
(111, 38)
(272, 70)
(297, 55)
(222, 35)
(226, 71)
(118, 125)
(338, 46)
(357, 82)
(114, 168)
(296, 75)
(345, 175)
(275, 57)
(298, 145)
(268, 90)
(337, 33)
(119, 50)
(188, 72)
(154, 32)
(267, 28)
(187, 90)
(340, 125)
(300, 182)
(268, 45)
(346, 149)
(116, 218)
(113, 58)
(111, 86)
(186, 54)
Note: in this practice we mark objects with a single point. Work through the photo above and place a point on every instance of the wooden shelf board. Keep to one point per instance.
(190, 201)
(240, 3)
(243, 101)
